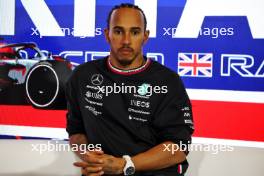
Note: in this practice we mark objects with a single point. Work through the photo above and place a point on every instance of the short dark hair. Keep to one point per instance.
(126, 5)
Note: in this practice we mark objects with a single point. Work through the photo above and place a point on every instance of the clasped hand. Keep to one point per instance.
(96, 163)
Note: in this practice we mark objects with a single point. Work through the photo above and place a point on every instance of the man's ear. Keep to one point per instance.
(146, 36)
(106, 34)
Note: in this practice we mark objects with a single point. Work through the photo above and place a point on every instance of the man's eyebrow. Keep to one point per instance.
(136, 28)
(122, 28)
(118, 27)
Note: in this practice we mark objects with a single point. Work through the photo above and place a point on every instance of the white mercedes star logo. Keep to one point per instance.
(97, 79)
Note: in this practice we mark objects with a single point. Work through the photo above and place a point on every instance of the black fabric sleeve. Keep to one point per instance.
(174, 119)
(74, 119)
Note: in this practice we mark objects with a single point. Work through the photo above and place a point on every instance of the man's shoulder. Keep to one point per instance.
(167, 77)
(163, 71)
(87, 68)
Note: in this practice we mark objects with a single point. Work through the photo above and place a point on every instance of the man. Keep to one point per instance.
(136, 109)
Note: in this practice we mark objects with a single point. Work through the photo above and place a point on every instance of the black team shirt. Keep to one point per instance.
(128, 113)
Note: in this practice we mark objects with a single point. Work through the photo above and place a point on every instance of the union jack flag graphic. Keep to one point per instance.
(195, 64)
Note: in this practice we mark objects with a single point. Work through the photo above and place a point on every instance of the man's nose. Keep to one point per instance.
(127, 39)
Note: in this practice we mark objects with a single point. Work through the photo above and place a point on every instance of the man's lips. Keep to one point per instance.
(126, 50)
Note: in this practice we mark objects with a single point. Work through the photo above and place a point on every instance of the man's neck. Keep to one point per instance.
(138, 62)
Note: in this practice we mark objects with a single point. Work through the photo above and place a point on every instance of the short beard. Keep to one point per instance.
(125, 62)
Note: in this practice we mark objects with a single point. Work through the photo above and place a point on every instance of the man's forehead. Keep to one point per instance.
(127, 10)
(127, 15)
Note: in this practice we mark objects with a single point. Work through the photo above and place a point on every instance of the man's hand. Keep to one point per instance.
(97, 163)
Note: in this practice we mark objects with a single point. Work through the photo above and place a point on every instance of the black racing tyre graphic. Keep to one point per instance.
(45, 86)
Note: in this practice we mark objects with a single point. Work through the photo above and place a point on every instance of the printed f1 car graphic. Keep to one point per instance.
(28, 75)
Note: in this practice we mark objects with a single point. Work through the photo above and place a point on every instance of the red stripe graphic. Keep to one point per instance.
(229, 120)
(28, 116)
(225, 120)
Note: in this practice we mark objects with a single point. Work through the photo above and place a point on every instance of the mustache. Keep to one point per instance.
(126, 47)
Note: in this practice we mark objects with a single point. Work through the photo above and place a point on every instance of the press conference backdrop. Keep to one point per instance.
(216, 46)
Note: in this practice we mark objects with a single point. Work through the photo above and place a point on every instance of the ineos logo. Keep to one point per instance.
(97, 79)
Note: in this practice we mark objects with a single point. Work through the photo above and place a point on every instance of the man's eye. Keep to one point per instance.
(117, 32)
(135, 32)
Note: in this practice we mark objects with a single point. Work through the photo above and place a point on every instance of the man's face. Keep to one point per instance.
(126, 35)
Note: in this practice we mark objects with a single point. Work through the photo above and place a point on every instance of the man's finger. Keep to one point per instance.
(93, 158)
(81, 164)
(85, 164)
(93, 169)
(96, 174)
(84, 172)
